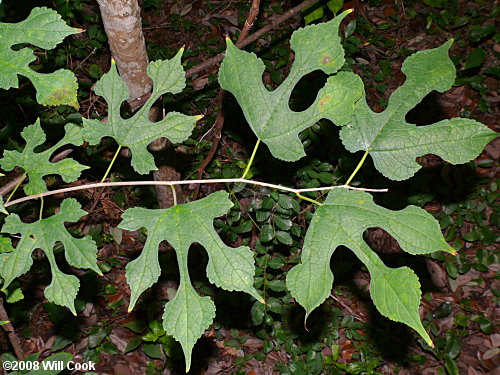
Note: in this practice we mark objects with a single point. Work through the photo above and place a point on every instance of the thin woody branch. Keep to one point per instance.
(254, 11)
(219, 121)
(245, 42)
(11, 333)
(252, 38)
(188, 182)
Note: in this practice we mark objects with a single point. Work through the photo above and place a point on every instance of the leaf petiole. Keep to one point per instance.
(41, 209)
(247, 169)
(358, 167)
(309, 199)
(15, 189)
(174, 194)
(112, 162)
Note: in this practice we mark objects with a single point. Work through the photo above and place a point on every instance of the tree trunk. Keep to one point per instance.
(122, 23)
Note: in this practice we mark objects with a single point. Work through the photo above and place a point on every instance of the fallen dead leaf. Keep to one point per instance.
(121, 369)
(472, 371)
(430, 370)
(495, 340)
(492, 353)
(253, 343)
(437, 273)
(347, 350)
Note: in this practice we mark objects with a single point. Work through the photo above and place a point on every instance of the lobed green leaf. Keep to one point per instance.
(138, 131)
(188, 315)
(43, 28)
(43, 234)
(317, 47)
(37, 164)
(343, 218)
(393, 143)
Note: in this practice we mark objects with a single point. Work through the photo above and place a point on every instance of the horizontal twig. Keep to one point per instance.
(187, 182)
(251, 38)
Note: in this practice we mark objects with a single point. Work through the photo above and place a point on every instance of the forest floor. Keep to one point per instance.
(461, 294)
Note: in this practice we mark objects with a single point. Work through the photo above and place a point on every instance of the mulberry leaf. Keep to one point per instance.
(43, 234)
(188, 315)
(138, 131)
(341, 220)
(43, 28)
(393, 143)
(37, 164)
(317, 47)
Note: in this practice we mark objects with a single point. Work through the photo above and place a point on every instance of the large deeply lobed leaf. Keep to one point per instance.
(138, 132)
(36, 165)
(43, 234)
(343, 218)
(43, 28)
(393, 143)
(188, 315)
(317, 47)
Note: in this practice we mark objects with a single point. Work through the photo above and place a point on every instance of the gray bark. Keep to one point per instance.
(122, 23)
(123, 26)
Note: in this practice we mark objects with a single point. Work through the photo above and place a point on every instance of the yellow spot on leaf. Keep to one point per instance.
(361, 201)
(323, 102)
(326, 60)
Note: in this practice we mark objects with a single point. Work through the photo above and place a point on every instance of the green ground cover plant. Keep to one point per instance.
(341, 219)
